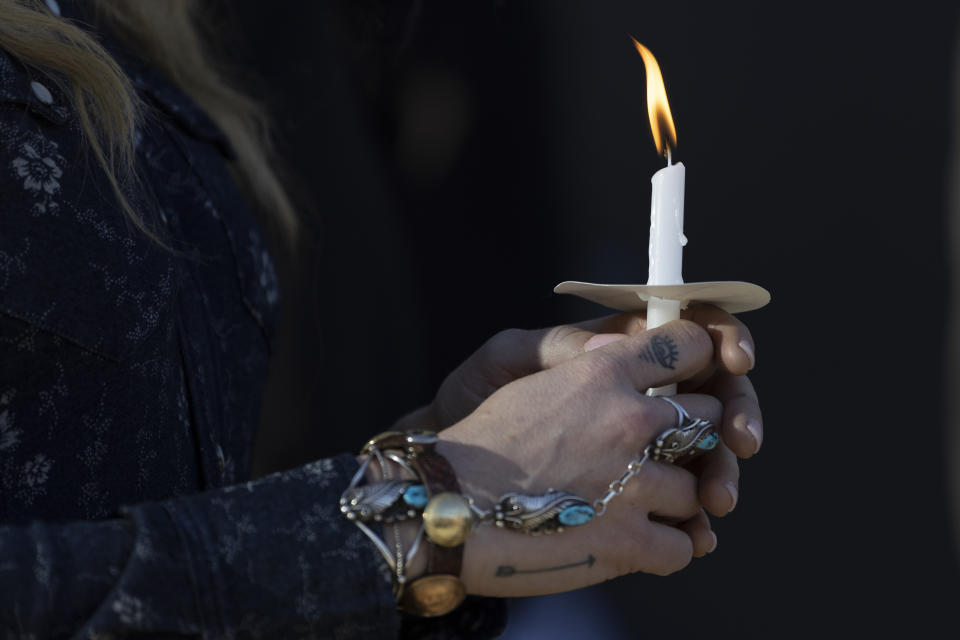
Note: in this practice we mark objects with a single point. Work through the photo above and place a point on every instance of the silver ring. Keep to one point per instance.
(682, 414)
(690, 438)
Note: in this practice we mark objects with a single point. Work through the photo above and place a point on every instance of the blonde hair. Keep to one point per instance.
(165, 35)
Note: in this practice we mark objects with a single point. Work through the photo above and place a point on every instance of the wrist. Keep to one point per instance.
(424, 418)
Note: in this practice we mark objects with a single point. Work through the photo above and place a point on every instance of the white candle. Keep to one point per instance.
(666, 205)
(666, 248)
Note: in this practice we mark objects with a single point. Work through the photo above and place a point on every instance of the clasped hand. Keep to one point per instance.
(566, 408)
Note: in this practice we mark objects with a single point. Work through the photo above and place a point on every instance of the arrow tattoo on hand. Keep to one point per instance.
(506, 571)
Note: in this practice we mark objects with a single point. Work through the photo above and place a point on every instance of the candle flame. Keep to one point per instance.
(658, 109)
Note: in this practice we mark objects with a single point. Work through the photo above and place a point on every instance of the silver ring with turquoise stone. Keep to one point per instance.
(690, 438)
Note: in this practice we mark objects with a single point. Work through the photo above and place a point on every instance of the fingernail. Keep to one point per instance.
(734, 495)
(713, 545)
(602, 339)
(753, 428)
(748, 349)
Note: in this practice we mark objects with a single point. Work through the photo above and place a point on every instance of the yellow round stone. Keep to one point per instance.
(448, 519)
(433, 595)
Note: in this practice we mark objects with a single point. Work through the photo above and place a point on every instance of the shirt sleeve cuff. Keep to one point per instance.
(275, 557)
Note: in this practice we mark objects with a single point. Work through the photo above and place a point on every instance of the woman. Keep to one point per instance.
(136, 310)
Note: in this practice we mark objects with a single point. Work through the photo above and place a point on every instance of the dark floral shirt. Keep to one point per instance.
(130, 386)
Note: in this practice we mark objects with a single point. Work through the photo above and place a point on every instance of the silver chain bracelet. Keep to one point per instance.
(391, 501)
(618, 485)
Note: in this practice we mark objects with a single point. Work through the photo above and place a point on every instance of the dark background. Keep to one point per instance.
(458, 159)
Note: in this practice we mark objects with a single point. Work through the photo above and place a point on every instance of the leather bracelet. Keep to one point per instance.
(447, 521)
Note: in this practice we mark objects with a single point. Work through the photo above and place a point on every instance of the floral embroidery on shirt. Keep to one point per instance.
(266, 272)
(9, 434)
(40, 165)
(13, 264)
(35, 471)
(131, 610)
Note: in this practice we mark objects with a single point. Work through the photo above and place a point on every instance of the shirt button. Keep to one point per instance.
(43, 94)
(53, 6)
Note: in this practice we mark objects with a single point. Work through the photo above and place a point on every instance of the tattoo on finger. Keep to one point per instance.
(661, 350)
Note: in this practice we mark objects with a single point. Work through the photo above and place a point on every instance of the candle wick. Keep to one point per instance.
(669, 156)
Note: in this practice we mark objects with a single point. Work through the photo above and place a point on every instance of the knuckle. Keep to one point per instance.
(504, 341)
(603, 368)
(713, 409)
(696, 336)
(636, 542)
(560, 344)
(650, 556)
(503, 351)
(714, 478)
(629, 423)
(647, 418)
(558, 335)
(744, 331)
(638, 424)
(677, 562)
(619, 434)
(645, 412)
(635, 324)
(638, 494)
(704, 314)
(653, 485)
